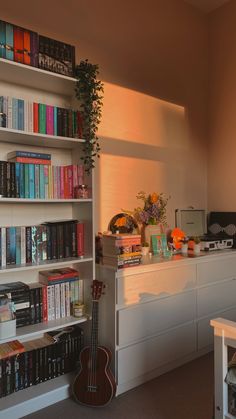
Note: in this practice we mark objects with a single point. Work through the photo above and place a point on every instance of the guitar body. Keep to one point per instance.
(95, 384)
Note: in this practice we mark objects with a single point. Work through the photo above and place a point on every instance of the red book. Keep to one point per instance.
(30, 160)
(49, 120)
(66, 183)
(62, 273)
(70, 182)
(36, 117)
(80, 239)
(62, 178)
(26, 36)
(18, 44)
(45, 304)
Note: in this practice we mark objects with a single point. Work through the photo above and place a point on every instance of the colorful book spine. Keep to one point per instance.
(55, 120)
(31, 181)
(42, 118)
(23, 245)
(26, 179)
(36, 117)
(18, 245)
(17, 179)
(36, 177)
(46, 186)
(3, 247)
(18, 44)
(14, 113)
(41, 182)
(30, 160)
(22, 180)
(80, 239)
(27, 49)
(2, 39)
(49, 120)
(9, 113)
(20, 114)
(9, 42)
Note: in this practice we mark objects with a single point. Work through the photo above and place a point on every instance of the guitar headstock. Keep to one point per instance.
(97, 288)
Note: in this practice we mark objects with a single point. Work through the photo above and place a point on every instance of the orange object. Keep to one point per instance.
(177, 235)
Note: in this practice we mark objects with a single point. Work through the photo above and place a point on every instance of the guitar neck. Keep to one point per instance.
(94, 331)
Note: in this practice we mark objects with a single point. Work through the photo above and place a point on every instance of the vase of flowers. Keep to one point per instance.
(151, 216)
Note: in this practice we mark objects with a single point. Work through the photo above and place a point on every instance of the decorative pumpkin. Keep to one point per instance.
(177, 236)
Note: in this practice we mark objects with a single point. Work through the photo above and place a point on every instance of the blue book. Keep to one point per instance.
(41, 182)
(28, 154)
(21, 114)
(55, 120)
(12, 232)
(26, 180)
(22, 180)
(17, 178)
(31, 181)
(36, 181)
(18, 245)
(14, 113)
(9, 42)
(2, 39)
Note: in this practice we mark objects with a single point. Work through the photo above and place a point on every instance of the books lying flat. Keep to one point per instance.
(11, 348)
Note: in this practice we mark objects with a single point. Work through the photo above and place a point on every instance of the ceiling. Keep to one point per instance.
(206, 6)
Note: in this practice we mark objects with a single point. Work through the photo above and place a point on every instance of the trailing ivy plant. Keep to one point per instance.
(89, 92)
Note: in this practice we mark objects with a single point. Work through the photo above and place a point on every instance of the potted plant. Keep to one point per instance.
(145, 248)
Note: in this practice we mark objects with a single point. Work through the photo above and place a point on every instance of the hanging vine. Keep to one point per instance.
(89, 92)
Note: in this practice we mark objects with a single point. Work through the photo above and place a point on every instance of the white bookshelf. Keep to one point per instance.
(37, 85)
(36, 139)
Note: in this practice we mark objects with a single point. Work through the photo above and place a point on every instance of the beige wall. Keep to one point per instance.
(222, 105)
(153, 60)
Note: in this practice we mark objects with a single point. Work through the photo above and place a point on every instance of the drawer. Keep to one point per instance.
(143, 287)
(216, 270)
(150, 318)
(216, 298)
(137, 360)
(206, 332)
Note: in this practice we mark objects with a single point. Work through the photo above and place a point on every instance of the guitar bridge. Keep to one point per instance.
(92, 389)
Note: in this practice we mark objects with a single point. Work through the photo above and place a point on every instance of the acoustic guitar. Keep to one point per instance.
(94, 385)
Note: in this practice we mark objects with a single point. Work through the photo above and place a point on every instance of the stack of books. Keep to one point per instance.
(19, 294)
(28, 47)
(121, 250)
(31, 175)
(39, 360)
(28, 116)
(62, 288)
(35, 244)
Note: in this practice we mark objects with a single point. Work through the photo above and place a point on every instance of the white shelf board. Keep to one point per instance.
(37, 397)
(34, 330)
(46, 264)
(8, 135)
(25, 75)
(41, 201)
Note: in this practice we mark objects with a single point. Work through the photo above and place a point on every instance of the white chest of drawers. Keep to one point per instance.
(157, 316)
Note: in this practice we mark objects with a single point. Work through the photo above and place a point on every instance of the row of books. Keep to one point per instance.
(39, 181)
(39, 360)
(47, 299)
(28, 47)
(35, 244)
(40, 118)
(121, 250)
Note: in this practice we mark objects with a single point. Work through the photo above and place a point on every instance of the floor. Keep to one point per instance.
(184, 393)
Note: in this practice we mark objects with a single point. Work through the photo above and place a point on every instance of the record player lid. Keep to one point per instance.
(191, 221)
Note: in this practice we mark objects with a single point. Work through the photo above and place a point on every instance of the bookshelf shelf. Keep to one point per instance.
(35, 330)
(44, 140)
(46, 264)
(24, 75)
(36, 397)
(42, 201)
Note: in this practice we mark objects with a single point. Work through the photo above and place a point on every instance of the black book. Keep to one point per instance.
(60, 242)
(60, 121)
(65, 125)
(3, 178)
(8, 180)
(28, 244)
(53, 228)
(12, 180)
